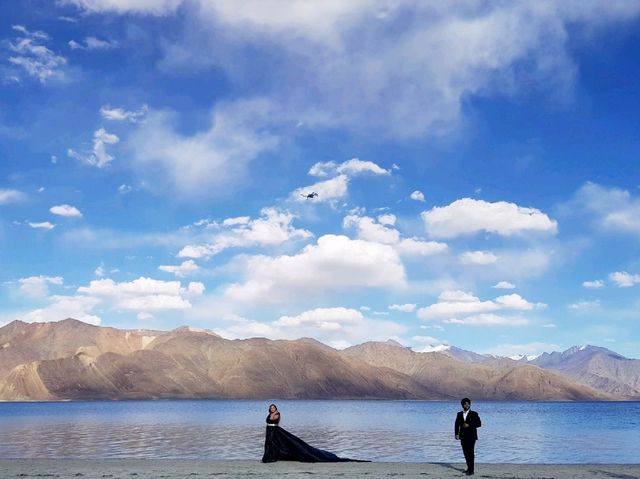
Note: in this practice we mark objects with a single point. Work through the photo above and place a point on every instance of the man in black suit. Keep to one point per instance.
(467, 423)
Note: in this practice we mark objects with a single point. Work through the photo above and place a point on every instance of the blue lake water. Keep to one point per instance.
(403, 431)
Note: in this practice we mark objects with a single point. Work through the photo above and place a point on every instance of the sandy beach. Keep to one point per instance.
(193, 469)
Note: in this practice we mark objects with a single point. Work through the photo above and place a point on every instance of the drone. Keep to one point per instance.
(310, 195)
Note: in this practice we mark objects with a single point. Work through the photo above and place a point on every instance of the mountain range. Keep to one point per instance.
(72, 360)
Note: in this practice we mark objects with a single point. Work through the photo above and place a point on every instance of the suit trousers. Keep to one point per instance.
(469, 456)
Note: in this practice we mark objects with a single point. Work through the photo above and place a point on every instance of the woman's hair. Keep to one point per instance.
(273, 406)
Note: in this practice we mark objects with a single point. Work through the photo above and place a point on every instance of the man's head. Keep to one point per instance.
(466, 403)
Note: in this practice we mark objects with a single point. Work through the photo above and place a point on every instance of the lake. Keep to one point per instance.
(397, 431)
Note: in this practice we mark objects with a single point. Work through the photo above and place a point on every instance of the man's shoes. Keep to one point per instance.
(467, 473)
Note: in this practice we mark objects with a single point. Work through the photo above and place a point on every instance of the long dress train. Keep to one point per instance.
(281, 445)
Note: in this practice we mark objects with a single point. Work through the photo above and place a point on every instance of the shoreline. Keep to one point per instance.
(195, 469)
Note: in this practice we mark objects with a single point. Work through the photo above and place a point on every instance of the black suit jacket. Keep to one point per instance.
(471, 432)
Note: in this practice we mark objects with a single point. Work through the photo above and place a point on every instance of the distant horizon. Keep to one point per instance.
(431, 172)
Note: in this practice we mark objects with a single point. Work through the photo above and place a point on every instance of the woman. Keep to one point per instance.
(281, 445)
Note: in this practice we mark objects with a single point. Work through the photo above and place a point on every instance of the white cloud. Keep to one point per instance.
(504, 285)
(120, 114)
(335, 263)
(38, 286)
(124, 189)
(369, 230)
(99, 272)
(387, 220)
(66, 210)
(355, 166)
(92, 43)
(622, 279)
(328, 191)
(207, 163)
(184, 269)
(418, 247)
(45, 225)
(429, 344)
(352, 167)
(63, 307)
(614, 209)
(272, 228)
(468, 216)
(153, 7)
(33, 57)
(11, 196)
(98, 157)
(362, 64)
(489, 319)
(478, 257)
(144, 295)
(405, 308)
(417, 196)
(595, 284)
(338, 327)
(460, 307)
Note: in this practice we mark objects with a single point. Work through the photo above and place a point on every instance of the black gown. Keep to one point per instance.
(281, 445)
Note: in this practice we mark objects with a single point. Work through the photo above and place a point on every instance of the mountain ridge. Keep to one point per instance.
(73, 360)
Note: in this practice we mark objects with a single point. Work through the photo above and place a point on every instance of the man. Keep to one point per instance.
(467, 423)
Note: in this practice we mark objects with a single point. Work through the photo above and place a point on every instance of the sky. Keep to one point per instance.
(476, 165)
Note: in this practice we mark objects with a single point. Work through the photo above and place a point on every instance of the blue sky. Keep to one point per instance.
(476, 165)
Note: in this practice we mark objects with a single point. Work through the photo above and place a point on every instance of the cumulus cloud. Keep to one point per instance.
(186, 268)
(504, 285)
(368, 229)
(120, 114)
(31, 55)
(478, 257)
(460, 307)
(352, 167)
(11, 196)
(405, 308)
(66, 210)
(98, 156)
(622, 279)
(328, 191)
(335, 263)
(209, 162)
(613, 209)
(417, 196)
(272, 228)
(44, 225)
(143, 294)
(38, 286)
(468, 216)
(595, 284)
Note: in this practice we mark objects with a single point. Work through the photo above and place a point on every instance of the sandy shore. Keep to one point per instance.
(193, 469)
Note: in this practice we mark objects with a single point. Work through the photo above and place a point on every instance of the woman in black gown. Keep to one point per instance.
(281, 445)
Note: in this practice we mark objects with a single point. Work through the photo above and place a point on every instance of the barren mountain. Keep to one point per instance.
(22, 342)
(74, 360)
(186, 364)
(452, 378)
(597, 367)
